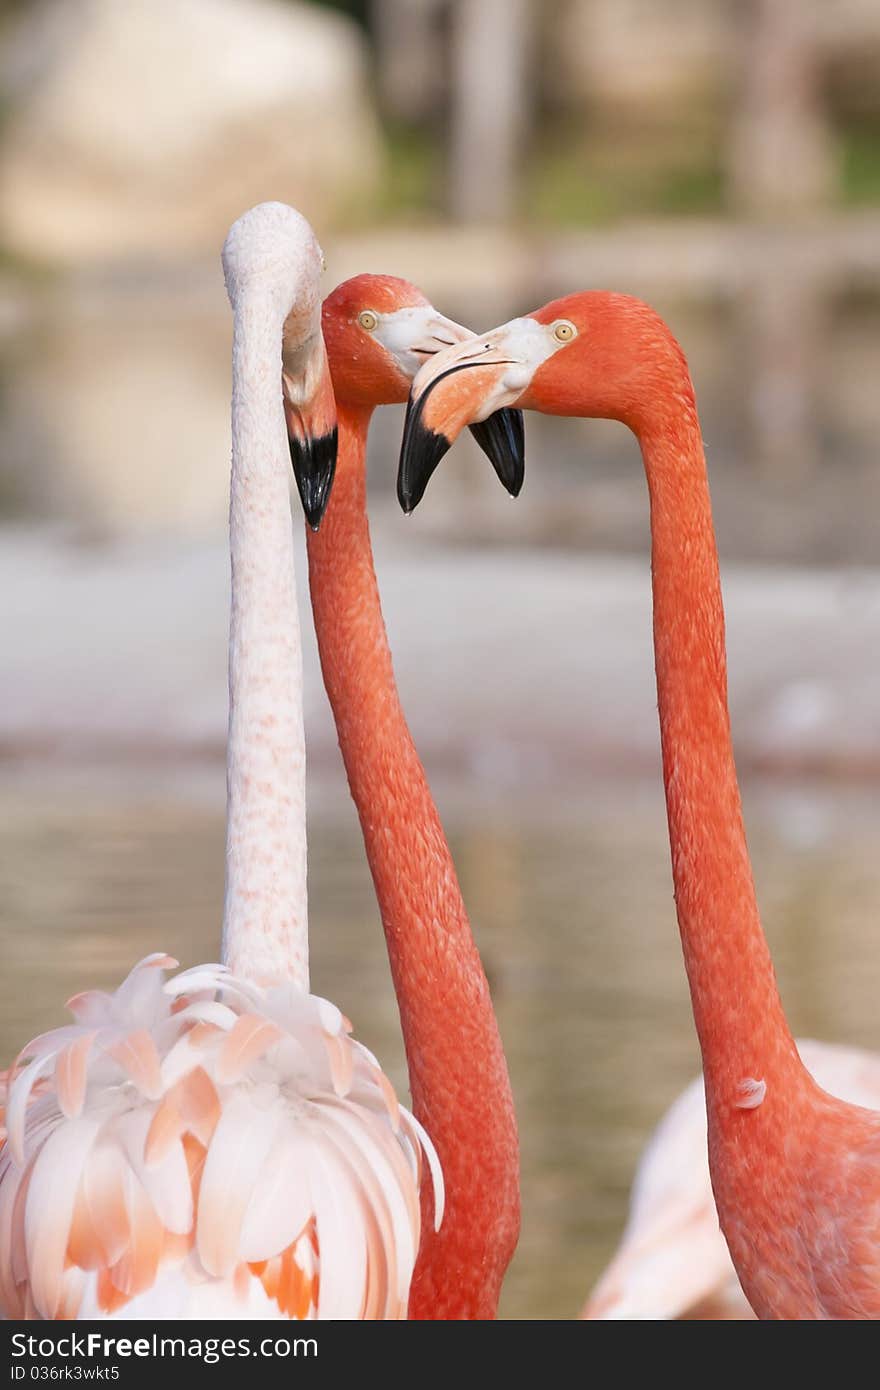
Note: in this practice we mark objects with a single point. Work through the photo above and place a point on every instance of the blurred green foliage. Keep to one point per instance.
(357, 9)
(860, 164)
(567, 185)
(414, 180)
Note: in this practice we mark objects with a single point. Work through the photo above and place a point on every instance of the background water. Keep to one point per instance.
(570, 897)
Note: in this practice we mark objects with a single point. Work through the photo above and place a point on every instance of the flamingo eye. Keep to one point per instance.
(368, 320)
(564, 331)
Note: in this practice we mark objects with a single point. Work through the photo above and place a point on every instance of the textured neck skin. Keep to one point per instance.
(796, 1176)
(458, 1075)
(737, 1009)
(627, 366)
(265, 922)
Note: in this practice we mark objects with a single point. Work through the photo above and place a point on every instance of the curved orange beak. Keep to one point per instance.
(415, 334)
(472, 383)
(310, 412)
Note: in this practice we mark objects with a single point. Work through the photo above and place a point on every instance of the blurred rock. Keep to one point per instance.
(141, 128)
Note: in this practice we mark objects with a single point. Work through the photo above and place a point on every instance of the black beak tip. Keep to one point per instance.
(420, 453)
(502, 439)
(314, 502)
(421, 449)
(314, 466)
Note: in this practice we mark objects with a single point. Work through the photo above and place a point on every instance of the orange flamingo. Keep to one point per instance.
(378, 331)
(795, 1172)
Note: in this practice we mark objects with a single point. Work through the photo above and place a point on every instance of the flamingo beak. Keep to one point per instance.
(310, 413)
(473, 383)
(502, 439)
(417, 335)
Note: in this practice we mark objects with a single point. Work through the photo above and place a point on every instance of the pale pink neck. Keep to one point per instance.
(265, 922)
(738, 1013)
(458, 1075)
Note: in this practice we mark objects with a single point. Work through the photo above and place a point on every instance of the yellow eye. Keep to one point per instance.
(368, 320)
(564, 332)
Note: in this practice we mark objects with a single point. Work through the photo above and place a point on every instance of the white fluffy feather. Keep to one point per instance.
(303, 1160)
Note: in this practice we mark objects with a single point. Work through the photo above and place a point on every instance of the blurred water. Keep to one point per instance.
(571, 901)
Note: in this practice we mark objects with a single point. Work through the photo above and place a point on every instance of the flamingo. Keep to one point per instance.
(795, 1172)
(378, 330)
(217, 1145)
(672, 1261)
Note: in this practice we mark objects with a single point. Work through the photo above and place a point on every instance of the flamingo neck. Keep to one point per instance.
(458, 1074)
(265, 921)
(738, 1013)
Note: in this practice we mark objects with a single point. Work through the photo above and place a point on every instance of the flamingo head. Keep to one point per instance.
(590, 354)
(380, 331)
(273, 263)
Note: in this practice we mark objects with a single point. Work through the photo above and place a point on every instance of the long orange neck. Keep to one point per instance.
(737, 1009)
(458, 1075)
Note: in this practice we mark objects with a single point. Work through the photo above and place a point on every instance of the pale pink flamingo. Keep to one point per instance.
(217, 1145)
(672, 1261)
(378, 331)
(795, 1172)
